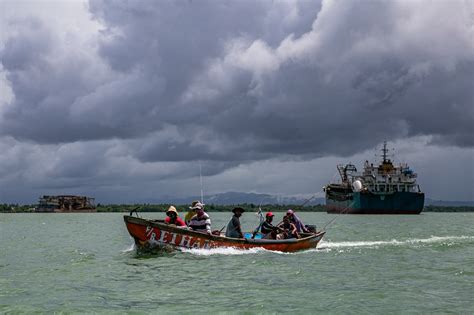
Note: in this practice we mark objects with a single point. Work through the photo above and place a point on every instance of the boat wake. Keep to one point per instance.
(328, 246)
(226, 251)
(444, 240)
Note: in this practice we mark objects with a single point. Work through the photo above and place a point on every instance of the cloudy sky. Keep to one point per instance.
(124, 100)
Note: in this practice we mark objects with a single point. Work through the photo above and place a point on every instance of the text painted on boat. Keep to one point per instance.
(158, 237)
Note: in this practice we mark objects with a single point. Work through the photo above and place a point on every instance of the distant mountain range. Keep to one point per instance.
(232, 198)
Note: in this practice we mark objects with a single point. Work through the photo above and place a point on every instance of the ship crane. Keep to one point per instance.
(345, 171)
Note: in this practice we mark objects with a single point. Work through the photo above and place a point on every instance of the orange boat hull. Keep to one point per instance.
(150, 234)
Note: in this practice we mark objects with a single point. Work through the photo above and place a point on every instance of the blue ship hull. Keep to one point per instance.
(370, 203)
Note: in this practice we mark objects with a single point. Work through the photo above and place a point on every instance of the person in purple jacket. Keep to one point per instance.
(300, 227)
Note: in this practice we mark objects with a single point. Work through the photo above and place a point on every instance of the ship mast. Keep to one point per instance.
(384, 151)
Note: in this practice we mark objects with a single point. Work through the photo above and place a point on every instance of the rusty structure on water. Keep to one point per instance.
(66, 203)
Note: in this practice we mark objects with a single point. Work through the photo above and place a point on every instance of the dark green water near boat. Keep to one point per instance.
(85, 263)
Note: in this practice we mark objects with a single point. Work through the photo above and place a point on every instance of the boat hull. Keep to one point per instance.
(154, 234)
(370, 203)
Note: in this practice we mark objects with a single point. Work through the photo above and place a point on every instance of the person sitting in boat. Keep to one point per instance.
(268, 230)
(192, 210)
(233, 228)
(200, 222)
(173, 217)
(300, 227)
(289, 228)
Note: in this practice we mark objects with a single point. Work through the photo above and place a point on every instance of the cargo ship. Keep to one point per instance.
(66, 203)
(380, 189)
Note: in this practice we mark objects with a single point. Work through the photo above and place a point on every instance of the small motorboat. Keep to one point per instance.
(156, 234)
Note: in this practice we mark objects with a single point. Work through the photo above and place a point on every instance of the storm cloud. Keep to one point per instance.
(136, 93)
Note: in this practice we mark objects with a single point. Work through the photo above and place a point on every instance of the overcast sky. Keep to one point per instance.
(123, 100)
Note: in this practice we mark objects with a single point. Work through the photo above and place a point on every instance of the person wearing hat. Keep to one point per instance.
(200, 222)
(173, 217)
(233, 228)
(196, 204)
(267, 228)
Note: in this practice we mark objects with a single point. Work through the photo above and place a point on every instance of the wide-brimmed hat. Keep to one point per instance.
(196, 205)
(242, 210)
(172, 209)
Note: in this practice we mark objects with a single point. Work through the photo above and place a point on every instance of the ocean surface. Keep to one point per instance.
(86, 263)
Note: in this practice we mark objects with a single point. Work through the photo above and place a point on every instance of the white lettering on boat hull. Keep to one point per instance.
(175, 239)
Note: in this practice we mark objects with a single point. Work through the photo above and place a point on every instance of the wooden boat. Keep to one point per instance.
(155, 234)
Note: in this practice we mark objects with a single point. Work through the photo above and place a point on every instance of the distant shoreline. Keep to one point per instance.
(14, 208)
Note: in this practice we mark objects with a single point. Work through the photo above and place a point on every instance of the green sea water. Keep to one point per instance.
(86, 263)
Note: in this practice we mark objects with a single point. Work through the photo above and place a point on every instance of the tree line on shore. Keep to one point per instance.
(217, 208)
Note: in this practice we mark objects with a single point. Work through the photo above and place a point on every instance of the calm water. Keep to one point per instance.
(366, 264)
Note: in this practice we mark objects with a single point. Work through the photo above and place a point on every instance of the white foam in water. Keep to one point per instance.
(222, 251)
(323, 247)
(394, 242)
(239, 251)
(129, 249)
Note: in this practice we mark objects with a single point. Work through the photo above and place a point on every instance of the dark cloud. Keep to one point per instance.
(162, 85)
(31, 43)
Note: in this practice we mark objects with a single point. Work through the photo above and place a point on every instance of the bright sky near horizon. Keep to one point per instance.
(122, 100)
